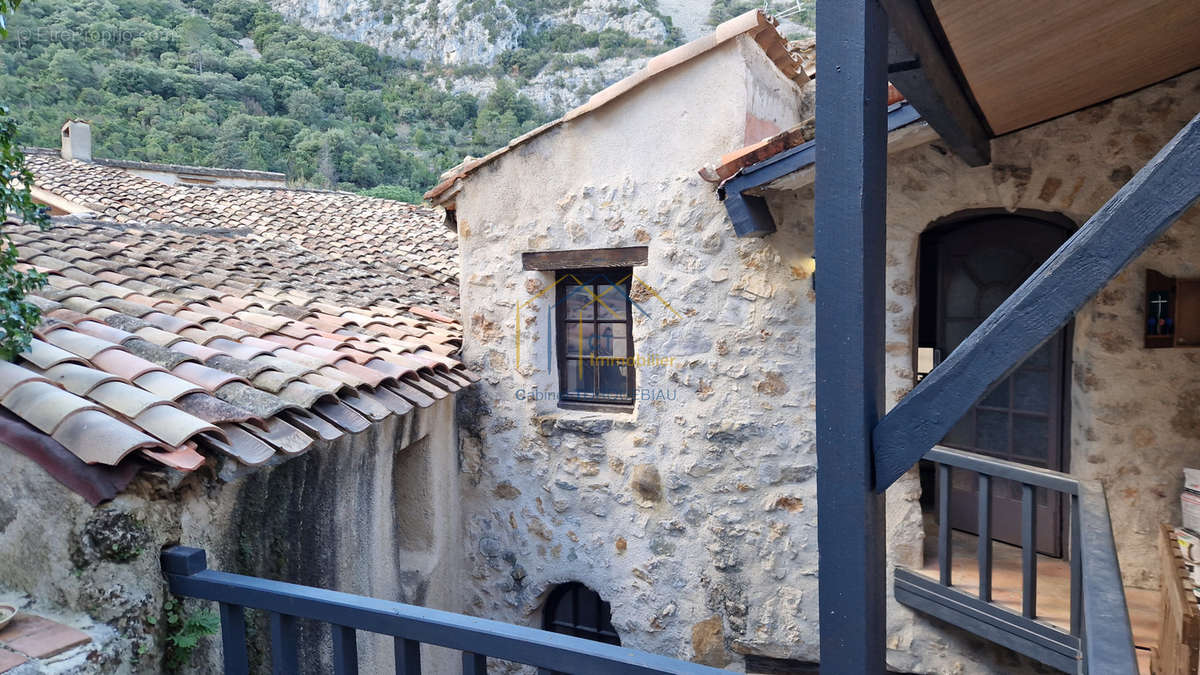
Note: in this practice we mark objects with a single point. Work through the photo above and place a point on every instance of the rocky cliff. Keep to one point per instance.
(559, 51)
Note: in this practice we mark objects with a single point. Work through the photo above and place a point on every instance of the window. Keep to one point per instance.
(594, 337)
(575, 609)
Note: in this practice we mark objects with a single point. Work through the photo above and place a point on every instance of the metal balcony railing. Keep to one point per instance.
(188, 575)
(1100, 640)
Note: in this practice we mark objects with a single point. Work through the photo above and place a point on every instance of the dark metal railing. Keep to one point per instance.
(1099, 639)
(477, 639)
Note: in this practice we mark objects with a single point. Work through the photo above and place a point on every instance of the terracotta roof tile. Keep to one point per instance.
(139, 354)
(98, 438)
(405, 242)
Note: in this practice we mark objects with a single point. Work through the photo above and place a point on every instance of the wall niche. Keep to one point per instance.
(1172, 311)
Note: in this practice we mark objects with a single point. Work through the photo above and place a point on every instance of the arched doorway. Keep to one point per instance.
(969, 265)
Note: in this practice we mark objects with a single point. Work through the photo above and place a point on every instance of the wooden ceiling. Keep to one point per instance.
(1027, 61)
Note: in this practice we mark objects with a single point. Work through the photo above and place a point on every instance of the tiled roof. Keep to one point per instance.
(754, 23)
(399, 239)
(173, 346)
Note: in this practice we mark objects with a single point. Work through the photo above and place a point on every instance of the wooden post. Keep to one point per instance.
(850, 236)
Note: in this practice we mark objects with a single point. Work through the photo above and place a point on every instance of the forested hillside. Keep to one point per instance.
(231, 84)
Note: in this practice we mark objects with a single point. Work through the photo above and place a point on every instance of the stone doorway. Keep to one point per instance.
(969, 265)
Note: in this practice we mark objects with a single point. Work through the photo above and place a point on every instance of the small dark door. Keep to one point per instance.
(979, 264)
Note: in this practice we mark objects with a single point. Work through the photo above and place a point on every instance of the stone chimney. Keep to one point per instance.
(77, 140)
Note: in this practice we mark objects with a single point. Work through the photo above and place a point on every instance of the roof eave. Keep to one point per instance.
(749, 213)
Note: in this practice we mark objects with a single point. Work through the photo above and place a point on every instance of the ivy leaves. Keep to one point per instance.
(18, 317)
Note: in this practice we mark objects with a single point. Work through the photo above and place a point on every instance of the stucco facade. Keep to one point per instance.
(374, 513)
(694, 514)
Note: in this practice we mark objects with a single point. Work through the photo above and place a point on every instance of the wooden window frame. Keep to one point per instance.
(614, 276)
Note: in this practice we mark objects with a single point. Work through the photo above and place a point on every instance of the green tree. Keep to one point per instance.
(18, 317)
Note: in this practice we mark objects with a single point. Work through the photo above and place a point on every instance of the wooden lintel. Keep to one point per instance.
(929, 82)
(587, 258)
(1124, 227)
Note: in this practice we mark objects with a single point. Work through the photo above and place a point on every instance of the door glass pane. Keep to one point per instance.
(998, 398)
(956, 331)
(1031, 390)
(991, 434)
(961, 295)
(610, 302)
(963, 433)
(990, 299)
(997, 265)
(1031, 435)
(1040, 358)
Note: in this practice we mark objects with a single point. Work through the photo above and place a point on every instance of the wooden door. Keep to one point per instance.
(1021, 419)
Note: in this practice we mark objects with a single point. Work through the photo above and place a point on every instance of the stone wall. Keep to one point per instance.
(374, 514)
(1134, 420)
(692, 515)
(695, 514)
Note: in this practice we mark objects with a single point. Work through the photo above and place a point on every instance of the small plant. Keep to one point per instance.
(184, 630)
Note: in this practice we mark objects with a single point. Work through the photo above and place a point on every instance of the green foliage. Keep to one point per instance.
(398, 193)
(167, 81)
(723, 10)
(538, 49)
(17, 317)
(184, 631)
(7, 7)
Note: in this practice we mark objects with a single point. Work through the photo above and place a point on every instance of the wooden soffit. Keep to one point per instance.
(1027, 61)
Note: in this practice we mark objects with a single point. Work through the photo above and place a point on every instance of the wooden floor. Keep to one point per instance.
(1054, 588)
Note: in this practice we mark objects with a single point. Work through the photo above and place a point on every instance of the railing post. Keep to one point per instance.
(1107, 639)
(345, 650)
(185, 561)
(945, 553)
(1076, 571)
(1028, 551)
(284, 659)
(985, 537)
(233, 640)
(474, 664)
(408, 657)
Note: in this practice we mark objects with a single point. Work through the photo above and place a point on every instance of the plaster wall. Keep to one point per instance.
(374, 514)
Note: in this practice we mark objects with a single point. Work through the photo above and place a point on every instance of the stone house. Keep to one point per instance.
(211, 371)
(645, 422)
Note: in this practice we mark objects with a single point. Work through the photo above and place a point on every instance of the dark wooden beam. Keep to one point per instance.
(851, 188)
(928, 79)
(1166, 187)
(585, 258)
